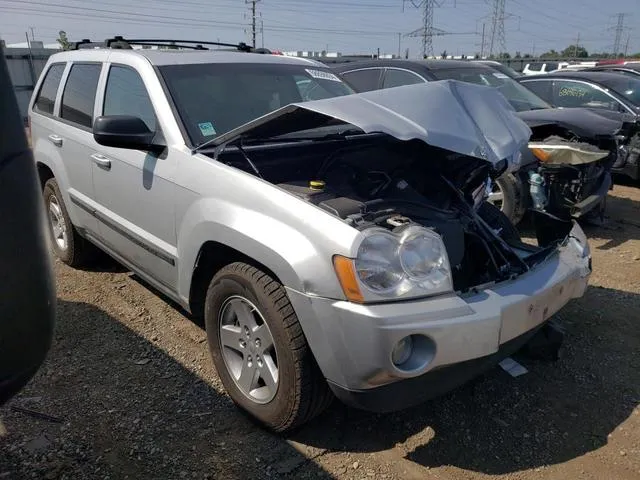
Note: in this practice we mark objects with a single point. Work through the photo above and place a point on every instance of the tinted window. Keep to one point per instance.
(47, 96)
(626, 86)
(520, 97)
(541, 88)
(126, 94)
(213, 99)
(551, 66)
(363, 80)
(535, 67)
(397, 78)
(567, 93)
(80, 93)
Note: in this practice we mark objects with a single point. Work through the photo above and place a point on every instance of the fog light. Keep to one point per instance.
(402, 351)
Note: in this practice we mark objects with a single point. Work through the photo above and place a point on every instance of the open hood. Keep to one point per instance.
(460, 117)
(582, 121)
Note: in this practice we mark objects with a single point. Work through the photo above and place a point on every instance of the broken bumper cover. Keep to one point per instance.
(586, 205)
(455, 337)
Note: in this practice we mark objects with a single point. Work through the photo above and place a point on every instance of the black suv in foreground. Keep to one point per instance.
(566, 173)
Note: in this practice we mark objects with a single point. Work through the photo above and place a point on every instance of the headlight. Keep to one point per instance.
(378, 264)
(411, 263)
(423, 257)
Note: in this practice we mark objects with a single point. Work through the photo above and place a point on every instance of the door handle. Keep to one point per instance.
(56, 140)
(101, 161)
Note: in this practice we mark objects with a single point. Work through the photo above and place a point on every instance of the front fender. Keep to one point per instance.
(299, 262)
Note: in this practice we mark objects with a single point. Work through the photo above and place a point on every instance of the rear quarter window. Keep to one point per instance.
(46, 98)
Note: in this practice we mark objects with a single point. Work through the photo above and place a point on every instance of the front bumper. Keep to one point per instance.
(353, 343)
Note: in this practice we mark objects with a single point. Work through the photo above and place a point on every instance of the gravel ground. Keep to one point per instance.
(129, 392)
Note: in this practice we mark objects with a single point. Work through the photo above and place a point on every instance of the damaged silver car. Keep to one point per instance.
(337, 247)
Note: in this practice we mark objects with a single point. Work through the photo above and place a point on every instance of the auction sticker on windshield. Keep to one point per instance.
(323, 75)
(207, 129)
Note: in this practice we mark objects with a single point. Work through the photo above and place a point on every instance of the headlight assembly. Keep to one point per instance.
(411, 263)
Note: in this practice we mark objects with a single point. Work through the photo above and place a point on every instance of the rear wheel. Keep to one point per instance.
(66, 243)
(259, 349)
(507, 195)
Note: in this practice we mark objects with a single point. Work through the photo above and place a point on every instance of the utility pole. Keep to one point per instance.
(400, 40)
(575, 48)
(253, 20)
(497, 27)
(482, 43)
(32, 35)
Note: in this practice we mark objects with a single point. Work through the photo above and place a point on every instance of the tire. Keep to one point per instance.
(300, 391)
(497, 220)
(75, 251)
(511, 201)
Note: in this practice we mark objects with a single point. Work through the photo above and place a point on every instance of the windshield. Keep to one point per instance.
(625, 86)
(520, 97)
(212, 99)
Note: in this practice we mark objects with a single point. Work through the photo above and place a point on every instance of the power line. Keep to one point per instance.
(253, 20)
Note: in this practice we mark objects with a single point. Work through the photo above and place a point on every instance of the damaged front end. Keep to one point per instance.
(572, 178)
(414, 181)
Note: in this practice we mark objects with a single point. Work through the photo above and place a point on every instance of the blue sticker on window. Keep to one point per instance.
(207, 129)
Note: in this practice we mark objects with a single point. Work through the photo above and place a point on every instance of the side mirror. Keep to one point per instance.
(124, 131)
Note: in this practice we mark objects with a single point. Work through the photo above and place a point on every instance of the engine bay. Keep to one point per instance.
(382, 188)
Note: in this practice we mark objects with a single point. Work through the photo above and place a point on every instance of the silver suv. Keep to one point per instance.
(335, 244)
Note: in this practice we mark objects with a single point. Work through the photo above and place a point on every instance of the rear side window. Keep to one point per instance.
(126, 95)
(47, 95)
(363, 80)
(535, 67)
(542, 88)
(397, 78)
(79, 94)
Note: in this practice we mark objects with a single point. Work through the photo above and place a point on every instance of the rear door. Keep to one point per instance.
(71, 134)
(133, 188)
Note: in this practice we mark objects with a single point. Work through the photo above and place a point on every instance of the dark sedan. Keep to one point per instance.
(569, 190)
(609, 91)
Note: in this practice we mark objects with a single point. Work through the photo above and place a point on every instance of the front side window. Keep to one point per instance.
(626, 86)
(212, 99)
(520, 97)
(79, 94)
(47, 96)
(570, 94)
(125, 94)
(397, 78)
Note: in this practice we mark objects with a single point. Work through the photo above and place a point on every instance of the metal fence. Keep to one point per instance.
(25, 66)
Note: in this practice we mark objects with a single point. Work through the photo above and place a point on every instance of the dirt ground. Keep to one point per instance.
(130, 392)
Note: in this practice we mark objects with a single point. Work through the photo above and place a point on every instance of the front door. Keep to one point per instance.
(134, 188)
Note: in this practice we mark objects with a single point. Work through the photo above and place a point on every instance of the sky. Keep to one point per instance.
(346, 26)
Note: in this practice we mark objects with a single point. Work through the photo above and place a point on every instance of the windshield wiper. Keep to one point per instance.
(292, 137)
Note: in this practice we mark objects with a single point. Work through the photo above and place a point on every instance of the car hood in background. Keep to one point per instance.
(581, 121)
(468, 119)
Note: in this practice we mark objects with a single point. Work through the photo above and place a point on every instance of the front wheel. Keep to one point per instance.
(259, 349)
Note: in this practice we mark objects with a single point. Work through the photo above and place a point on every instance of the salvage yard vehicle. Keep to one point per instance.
(608, 91)
(340, 246)
(571, 190)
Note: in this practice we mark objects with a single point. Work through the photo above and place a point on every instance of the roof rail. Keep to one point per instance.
(119, 42)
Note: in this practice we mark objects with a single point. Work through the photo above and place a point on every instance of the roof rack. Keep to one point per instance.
(119, 42)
